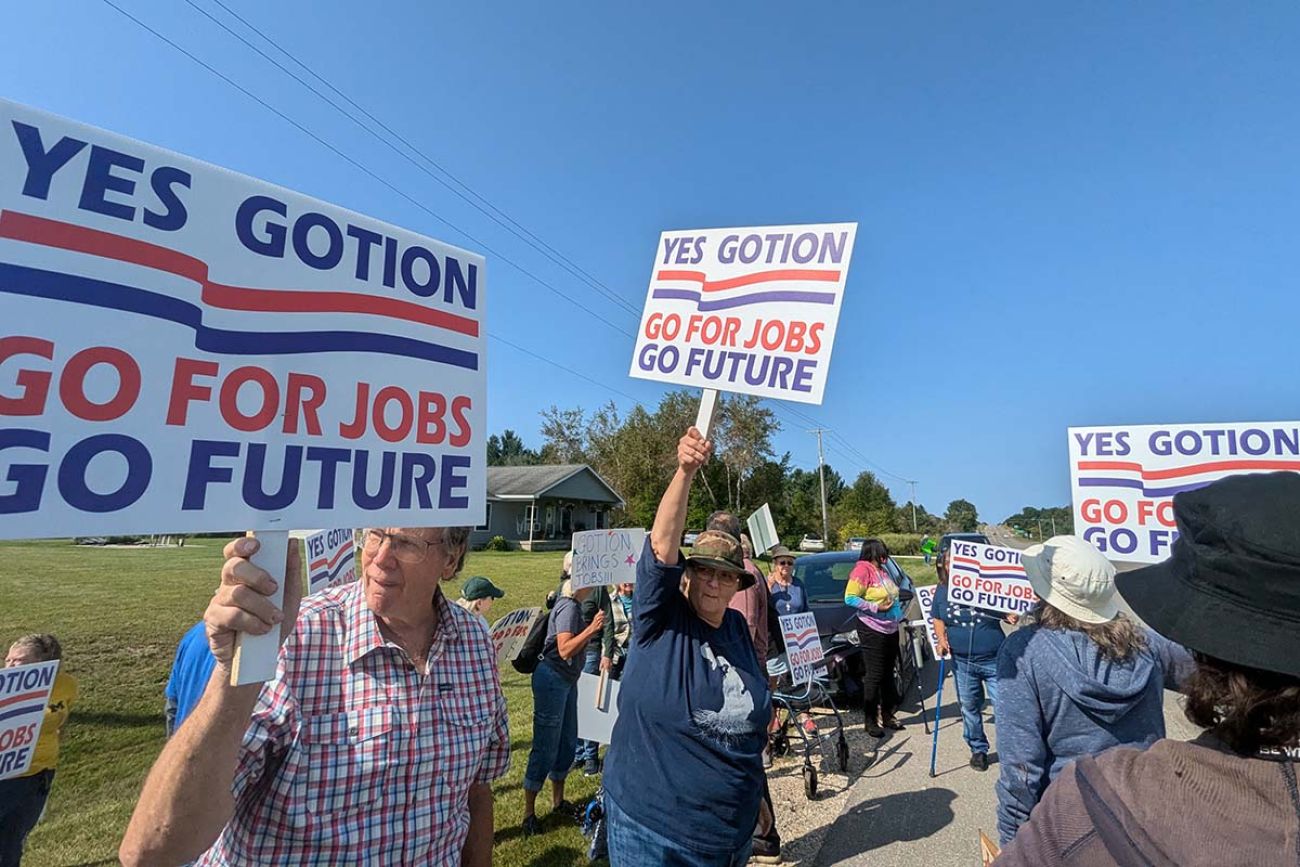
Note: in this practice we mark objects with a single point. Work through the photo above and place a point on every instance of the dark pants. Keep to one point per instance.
(21, 801)
(879, 656)
(591, 665)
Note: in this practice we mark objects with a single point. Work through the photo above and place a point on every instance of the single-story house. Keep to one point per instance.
(539, 508)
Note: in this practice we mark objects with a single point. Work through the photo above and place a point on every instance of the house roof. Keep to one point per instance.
(513, 483)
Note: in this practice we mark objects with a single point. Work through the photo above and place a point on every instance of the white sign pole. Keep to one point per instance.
(256, 655)
(708, 406)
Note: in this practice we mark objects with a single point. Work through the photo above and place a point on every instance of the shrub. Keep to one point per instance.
(902, 543)
(497, 543)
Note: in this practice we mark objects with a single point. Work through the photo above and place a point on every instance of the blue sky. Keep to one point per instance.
(1068, 214)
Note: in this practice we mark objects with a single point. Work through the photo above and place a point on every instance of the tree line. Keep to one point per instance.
(635, 452)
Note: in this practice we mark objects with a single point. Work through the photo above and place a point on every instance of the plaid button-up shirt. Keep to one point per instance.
(355, 757)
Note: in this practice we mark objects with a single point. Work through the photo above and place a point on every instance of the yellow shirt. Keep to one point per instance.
(62, 696)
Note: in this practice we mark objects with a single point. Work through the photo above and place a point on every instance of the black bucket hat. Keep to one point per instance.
(1231, 589)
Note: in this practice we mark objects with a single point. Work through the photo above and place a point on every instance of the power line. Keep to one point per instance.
(486, 208)
(360, 167)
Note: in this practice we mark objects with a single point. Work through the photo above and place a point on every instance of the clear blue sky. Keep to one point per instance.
(1069, 213)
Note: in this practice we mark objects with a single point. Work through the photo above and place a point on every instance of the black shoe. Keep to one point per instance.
(894, 724)
(591, 768)
(979, 761)
(875, 731)
(566, 810)
(531, 826)
(767, 849)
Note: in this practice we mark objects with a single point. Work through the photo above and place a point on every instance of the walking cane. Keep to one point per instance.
(938, 707)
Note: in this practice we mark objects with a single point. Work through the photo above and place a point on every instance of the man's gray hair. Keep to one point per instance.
(42, 645)
(457, 538)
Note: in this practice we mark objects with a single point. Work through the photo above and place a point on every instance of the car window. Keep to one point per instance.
(824, 581)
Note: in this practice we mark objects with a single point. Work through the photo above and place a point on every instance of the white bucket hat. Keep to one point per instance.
(1071, 575)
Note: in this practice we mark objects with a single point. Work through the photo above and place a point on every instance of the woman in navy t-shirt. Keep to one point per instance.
(684, 775)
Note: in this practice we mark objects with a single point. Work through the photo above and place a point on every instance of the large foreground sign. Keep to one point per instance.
(1123, 479)
(749, 310)
(186, 349)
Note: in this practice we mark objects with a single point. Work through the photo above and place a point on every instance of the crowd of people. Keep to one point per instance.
(380, 736)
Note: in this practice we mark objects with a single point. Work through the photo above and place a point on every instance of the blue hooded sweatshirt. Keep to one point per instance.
(1059, 699)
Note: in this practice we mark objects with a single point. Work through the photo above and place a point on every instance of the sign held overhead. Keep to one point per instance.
(750, 310)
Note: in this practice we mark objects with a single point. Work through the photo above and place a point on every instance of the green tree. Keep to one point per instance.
(962, 516)
(1038, 523)
(565, 433)
(867, 505)
(508, 450)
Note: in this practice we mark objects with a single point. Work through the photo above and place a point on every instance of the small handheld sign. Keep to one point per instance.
(989, 577)
(331, 558)
(803, 646)
(605, 557)
(510, 632)
(24, 695)
(597, 707)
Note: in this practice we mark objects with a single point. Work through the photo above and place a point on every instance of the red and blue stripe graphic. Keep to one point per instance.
(1154, 483)
(989, 570)
(804, 638)
(706, 301)
(25, 705)
(326, 570)
(56, 285)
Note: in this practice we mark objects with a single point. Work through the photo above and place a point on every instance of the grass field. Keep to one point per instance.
(119, 614)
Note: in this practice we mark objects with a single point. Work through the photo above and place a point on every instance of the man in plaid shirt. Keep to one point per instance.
(376, 742)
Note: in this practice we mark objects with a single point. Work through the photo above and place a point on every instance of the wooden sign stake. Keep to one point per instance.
(256, 655)
(602, 690)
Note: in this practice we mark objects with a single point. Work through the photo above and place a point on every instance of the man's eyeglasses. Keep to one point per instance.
(785, 564)
(407, 549)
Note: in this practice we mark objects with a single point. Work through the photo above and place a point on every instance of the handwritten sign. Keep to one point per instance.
(925, 599)
(803, 646)
(604, 557)
(749, 310)
(24, 695)
(1123, 479)
(989, 577)
(762, 530)
(189, 349)
(510, 632)
(331, 558)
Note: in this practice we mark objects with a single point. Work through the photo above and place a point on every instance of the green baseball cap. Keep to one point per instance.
(479, 587)
(720, 550)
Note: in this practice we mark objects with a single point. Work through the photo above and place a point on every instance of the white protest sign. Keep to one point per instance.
(803, 646)
(603, 557)
(597, 709)
(331, 558)
(989, 577)
(925, 599)
(24, 695)
(750, 310)
(190, 349)
(762, 530)
(510, 632)
(1123, 478)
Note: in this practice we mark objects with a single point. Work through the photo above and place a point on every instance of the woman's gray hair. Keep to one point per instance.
(42, 645)
(457, 539)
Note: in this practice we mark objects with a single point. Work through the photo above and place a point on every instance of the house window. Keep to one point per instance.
(600, 519)
(487, 519)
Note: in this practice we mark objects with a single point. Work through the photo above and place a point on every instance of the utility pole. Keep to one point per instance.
(913, 484)
(1040, 529)
(1053, 523)
(821, 474)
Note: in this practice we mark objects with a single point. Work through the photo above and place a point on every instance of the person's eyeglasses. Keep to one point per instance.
(784, 564)
(407, 549)
(717, 576)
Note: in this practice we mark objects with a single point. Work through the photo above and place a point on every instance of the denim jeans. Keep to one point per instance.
(21, 801)
(555, 727)
(632, 844)
(974, 678)
(591, 665)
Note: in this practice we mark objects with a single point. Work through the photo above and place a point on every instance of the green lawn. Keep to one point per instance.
(119, 614)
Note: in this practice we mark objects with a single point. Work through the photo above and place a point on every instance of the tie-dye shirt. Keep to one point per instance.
(875, 595)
